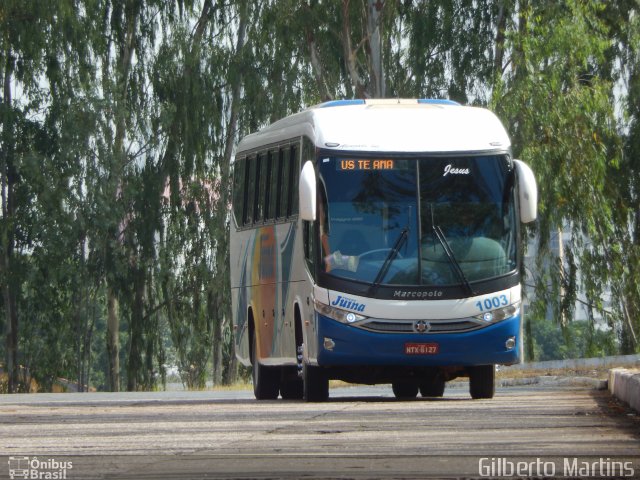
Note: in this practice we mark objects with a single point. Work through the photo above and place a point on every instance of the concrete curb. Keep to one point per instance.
(579, 363)
(624, 384)
(588, 382)
(542, 380)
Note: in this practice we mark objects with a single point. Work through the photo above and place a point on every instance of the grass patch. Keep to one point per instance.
(236, 386)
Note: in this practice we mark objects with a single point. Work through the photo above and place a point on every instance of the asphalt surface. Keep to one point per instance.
(362, 432)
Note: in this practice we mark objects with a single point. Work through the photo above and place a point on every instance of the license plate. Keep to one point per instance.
(421, 348)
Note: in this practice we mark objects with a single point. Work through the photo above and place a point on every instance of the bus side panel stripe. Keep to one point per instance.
(286, 253)
(241, 313)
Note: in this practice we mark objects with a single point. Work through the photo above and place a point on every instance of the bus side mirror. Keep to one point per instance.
(528, 192)
(307, 192)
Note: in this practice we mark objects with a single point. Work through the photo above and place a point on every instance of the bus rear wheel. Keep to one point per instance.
(315, 384)
(291, 387)
(482, 381)
(266, 380)
(404, 390)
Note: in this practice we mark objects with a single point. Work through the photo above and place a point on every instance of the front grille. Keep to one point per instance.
(457, 326)
(386, 326)
(434, 326)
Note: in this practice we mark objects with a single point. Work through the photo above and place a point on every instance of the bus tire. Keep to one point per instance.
(291, 387)
(404, 390)
(432, 388)
(482, 381)
(315, 384)
(266, 380)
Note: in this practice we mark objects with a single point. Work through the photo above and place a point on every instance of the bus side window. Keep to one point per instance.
(268, 212)
(308, 239)
(249, 189)
(258, 202)
(238, 190)
(294, 171)
(284, 183)
(278, 181)
(273, 185)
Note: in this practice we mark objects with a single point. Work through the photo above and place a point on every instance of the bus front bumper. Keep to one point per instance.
(342, 344)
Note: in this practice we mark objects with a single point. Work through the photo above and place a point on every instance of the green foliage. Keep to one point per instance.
(578, 340)
(118, 125)
(559, 105)
(442, 49)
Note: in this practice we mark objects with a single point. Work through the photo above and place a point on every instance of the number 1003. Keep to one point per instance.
(492, 302)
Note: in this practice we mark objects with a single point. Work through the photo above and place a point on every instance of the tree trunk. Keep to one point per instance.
(501, 25)
(217, 343)
(523, 25)
(136, 347)
(79, 338)
(350, 54)
(630, 308)
(113, 342)
(117, 173)
(376, 68)
(9, 178)
(225, 185)
(314, 56)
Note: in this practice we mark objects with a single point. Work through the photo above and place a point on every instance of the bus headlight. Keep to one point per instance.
(338, 314)
(500, 314)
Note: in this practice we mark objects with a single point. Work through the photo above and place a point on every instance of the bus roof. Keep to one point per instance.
(389, 125)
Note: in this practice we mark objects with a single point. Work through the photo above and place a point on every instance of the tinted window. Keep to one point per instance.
(250, 187)
(292, 201)
(272, 187)
(259, 195)
(276, 183)
(283, 192)
(373, 229)
(369, 212)
(238, 189)
(468, 202)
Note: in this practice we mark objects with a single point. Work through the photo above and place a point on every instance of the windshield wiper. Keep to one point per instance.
(393, 253)
(452, 259)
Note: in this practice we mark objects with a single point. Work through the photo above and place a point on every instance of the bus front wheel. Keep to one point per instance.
(315, 384)
(482, 381)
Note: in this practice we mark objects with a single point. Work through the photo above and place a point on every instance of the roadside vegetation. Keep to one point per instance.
(118, 123)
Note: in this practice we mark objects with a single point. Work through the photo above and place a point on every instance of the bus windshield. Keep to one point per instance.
(431, 221)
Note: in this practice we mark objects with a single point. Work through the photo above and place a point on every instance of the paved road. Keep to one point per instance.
(360, 433)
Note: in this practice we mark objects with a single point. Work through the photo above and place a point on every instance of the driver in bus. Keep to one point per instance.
(335, 259)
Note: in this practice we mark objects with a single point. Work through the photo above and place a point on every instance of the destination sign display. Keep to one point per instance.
(365, 164)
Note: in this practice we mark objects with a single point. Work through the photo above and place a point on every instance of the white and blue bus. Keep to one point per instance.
(377, 241)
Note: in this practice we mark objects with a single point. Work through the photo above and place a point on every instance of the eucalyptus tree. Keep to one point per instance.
(622, 68)
(188, 116)
(45, 66)
(446, 49)
(119, 120)
(120, 57)
(316, 51)
(198, 76)
(550, 70)
(558, 101)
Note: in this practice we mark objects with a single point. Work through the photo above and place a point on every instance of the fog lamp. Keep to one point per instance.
(510, 343)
